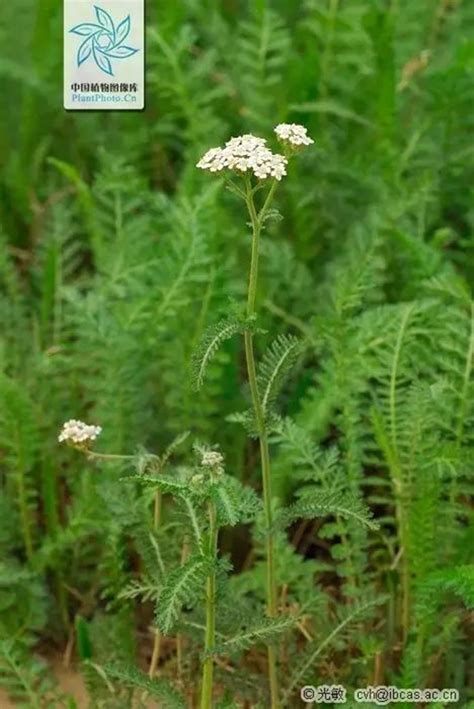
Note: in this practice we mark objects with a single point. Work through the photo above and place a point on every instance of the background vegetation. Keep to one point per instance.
(116, 254)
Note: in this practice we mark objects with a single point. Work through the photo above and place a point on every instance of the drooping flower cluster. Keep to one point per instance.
(212, 459)
(78, 433)
(293, 134)
(245, 153)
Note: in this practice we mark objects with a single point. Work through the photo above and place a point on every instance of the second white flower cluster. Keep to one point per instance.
(77, 432)
(248, 153)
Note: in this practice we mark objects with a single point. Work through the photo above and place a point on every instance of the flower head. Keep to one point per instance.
(213, 160)
(265, 164)
(78, 433)
(293, 134)
(212, 459)
(197, 480)
(244, 147)
(245, 153)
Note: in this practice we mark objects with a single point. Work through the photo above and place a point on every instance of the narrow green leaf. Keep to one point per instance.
(332, 108)
(160, 689)
(264, 632)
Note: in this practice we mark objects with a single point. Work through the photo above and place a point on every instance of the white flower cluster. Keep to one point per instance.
(293, 134)
(78, 433)
(197, 480)
(212, 459)
(244, 153)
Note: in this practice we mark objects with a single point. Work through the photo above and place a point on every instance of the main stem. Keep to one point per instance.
(272, 610)
(155, 656)
(208, 667)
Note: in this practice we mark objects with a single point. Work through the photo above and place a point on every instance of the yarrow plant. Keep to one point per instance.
(213, 499)
(248, 157)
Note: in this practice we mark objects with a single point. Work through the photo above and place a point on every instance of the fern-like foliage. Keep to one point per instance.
(313, 505)
(24, 678)
(274, 367)
(266, 631)
(19, 433)
(129, 676)
(350, 615)
(183, 586)
(210, 344)
(236, 503)
(258, 63)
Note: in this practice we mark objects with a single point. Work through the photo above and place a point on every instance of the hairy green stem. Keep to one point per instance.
(155, 656)
(179, 637)
(107, 456)
(208, 667)
(398, 476)
(466, 381)
(272, 608)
